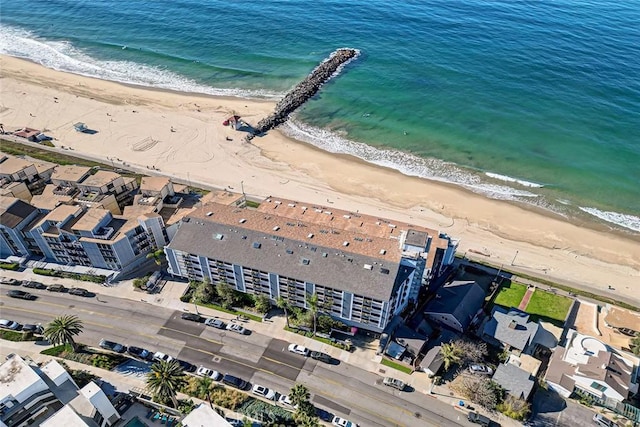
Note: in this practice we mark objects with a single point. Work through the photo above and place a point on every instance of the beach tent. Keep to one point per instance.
(80, 127)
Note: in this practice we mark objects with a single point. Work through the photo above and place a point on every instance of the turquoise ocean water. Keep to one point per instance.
(537, 102)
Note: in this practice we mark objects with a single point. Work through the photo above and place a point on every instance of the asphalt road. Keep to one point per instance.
(342, 389)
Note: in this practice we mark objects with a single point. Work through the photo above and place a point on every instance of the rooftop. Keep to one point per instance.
(90, 220)
(154, 183)
(13, 211)
(99, 179)
(71, 173)
(511, 327)
(13, 165)
(16, 376)
(68, 417)
(461, 298)
(51, 196)
(621, 318)
(63, 212)
(515, 381)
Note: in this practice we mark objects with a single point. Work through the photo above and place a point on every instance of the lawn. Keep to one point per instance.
(548, 305)
(510, 295)
(394, 365)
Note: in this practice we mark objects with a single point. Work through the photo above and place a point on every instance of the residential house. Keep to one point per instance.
(515, 381)
(203, 416)
(456, 304)
(512, 330)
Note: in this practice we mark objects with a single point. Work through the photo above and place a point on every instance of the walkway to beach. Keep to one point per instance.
(525, 299)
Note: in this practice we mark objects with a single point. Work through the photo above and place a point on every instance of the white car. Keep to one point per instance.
(206, 372)
(263, 392)
(299, 349)
(215, 323)
(286, 401)
(158, 356)
(341, 422)
(480, 369)
(237, 328)
(9, 324)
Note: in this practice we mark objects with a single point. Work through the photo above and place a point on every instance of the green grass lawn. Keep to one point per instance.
(547, 305)
(394, 365)
(510, 295)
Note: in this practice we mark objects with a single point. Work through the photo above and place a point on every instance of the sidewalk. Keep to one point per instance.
(169, 297)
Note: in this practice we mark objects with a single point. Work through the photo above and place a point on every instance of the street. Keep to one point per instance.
(342, 389)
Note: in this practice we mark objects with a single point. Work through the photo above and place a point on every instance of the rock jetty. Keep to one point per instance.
(305, 90)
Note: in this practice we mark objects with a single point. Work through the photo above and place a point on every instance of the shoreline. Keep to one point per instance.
(547, 244)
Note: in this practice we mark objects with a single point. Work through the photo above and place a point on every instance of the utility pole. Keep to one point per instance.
(514, 258)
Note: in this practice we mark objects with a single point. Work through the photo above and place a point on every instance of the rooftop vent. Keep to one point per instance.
(368, 267)
(384, 270)
(187, 219)
(345, 243)
(310, 235)
(392, 226)
(346, 216)
(513, 324)
(244, 237)
(324, 254)
(305, 261)
(256, 245)
(242, 221)
(276, 228)
(219, 236)
(304, 208)
(383, 251)
(289, 251)
(292, 205)
(327, 212)
(209, 213)
(278, 202)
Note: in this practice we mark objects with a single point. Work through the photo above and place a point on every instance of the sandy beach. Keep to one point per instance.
(182, 135)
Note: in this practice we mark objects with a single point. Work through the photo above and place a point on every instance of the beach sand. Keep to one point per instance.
(182, 135)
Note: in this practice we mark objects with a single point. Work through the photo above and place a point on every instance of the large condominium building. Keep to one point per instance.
(364, 269)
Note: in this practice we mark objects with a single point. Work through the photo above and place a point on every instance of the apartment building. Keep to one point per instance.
(32, 173)
(15, 219)
(364, 269)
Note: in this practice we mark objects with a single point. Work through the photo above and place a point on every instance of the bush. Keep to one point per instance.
(10, 266)
(11, 335)
(515, 408)
(262, 304)
(266, 412)
(68, 275)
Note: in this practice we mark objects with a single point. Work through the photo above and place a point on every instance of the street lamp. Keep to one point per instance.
(514, 258)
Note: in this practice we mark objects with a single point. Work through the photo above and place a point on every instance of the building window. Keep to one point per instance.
(598, 386)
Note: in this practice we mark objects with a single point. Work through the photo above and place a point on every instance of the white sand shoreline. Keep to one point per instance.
(198, 152)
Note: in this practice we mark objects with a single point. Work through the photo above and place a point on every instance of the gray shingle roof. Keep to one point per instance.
(462, 299)
(338, 269)
(511, 327)
(515, 381)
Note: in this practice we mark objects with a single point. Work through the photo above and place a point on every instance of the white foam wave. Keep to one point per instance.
(63, 56)
(406, 163)
(511, 179)
(624, 220)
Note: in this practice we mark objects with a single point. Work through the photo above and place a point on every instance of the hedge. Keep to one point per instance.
(69, 275)
(10, 266)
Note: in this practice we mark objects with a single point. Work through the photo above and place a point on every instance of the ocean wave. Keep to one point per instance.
(511, 179)
(63, 56)
(406, 163)
(624, 220)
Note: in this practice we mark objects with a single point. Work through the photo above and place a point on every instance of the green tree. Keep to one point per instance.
(635, 345)
(515, 408)
(451, 354)
(312, 302)
(203, 388)
(227, 294)
(305, 415)
(165, 379)
(298, 394)
(284, 305)
(157, 256)
(204, 292)
(263, 304)
(62, 329)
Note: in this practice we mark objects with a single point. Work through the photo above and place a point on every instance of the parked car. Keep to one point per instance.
(79, 292)
(33, 285)
(215, 323)
(394, 382)
(236, 382)
(477, 418)
(186, 366)
(600, 420)
(192, 317)
(21, 295)
(9, 324)
(263, 391)
(323, 357)
(113, 346)
(299, 349)
(140, 353)
(206, 372)
(480, 369)
(158, 356)
(34, 329)
(9, 281)
(286, 401)
(234, 327)
(56, 288)
(324, 415)
(341, 422)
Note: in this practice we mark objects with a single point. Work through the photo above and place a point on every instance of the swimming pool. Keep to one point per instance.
(135, 422)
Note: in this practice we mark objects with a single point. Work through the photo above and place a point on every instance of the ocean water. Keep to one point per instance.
(536, 102)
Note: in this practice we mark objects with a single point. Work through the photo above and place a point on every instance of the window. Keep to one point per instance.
(598, 386)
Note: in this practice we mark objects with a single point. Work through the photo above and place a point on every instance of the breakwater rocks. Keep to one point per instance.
(305, 90)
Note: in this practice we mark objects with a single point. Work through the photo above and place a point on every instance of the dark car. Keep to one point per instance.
(8, 281)
(56, 288)
(21, 295)
(193, 317)
(140, 353)
(113, 346)
(79, 292)
(186, 366)
(235, 382)
(35, 329)
(324, 415)
(33, 285)
(323, 357)
(477, 418)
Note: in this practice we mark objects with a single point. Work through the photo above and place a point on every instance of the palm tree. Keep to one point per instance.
(157, 256)
(283, 304)
(204, 388)
(299, 394)
(451, 354)
(165, 379)
(312, 302)
(62, 329)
